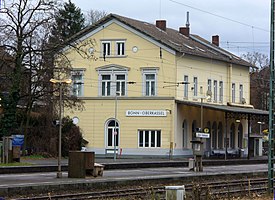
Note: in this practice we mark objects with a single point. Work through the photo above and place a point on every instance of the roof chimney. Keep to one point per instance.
(216, 40)
(185, 30)
(161, 24)
(187, 20)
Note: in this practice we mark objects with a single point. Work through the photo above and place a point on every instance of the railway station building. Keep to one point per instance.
(150, 88)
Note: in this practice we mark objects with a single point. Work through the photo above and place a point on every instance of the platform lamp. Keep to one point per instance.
(261, 123)
(60, 82)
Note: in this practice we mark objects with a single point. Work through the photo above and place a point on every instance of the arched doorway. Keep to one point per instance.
(208, 140)
(194, 127)
(240, 136)
(112, 133)
(232, 136)
(214, 136)
(220, 136)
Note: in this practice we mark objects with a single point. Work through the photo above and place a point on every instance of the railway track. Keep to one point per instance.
(217, 189)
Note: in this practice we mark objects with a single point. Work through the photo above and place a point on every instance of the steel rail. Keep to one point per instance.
(220, 188)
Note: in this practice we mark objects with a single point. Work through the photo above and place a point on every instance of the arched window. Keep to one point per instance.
(112, 130)
(240, 136)
(220, 136)
(194, 127)
(232, 136)
(214, 135)
(208, 140)
(184, 134)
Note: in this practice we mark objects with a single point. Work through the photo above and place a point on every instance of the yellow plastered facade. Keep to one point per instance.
(143, 53)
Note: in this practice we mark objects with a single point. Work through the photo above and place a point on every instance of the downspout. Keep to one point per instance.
(225, 137)
(172, 131)
(229, 81)
(248, 138)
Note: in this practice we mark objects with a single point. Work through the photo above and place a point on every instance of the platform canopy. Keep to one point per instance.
(240, 111)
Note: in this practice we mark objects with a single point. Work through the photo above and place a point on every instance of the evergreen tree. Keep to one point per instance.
(69, 20)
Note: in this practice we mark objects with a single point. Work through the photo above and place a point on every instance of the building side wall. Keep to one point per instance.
(205, 69)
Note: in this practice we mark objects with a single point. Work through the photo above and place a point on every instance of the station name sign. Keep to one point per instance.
(146, 113)
(202, 135)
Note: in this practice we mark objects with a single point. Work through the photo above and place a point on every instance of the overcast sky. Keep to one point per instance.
(243, 25)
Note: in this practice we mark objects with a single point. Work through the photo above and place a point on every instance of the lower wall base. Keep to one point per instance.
(153, 153)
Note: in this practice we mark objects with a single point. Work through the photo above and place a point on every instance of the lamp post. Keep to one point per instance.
(115, 131)
(202, 98)
(201, 113)
(60, 82)
(261, 123)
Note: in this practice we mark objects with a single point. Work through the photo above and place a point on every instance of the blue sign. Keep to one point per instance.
(18, 140)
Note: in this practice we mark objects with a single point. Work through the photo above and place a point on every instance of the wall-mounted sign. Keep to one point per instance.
(202, 135)
(146, 113)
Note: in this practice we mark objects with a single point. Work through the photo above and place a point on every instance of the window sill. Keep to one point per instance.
(114, 56)
(113, 96)
(150, 95)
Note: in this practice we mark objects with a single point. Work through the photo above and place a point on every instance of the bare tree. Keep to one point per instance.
(257, 59)
(25, 29)
(94, 15)
(259, 79)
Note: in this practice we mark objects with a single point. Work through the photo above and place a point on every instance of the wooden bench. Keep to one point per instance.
(98, 170)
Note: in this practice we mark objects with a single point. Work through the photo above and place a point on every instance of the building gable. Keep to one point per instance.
(100, 27)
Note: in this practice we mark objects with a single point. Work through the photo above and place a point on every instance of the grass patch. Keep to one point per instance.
(14, 164)
(35, 157)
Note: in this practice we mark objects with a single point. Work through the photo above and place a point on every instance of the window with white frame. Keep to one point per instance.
(149, 138)
(120, 84)
(77, 82)
(149, 82)
(221, 91)
(105, 85)
(106, 48)
(215, 91)
(195, 86)
(120, 48)
(241, 93)
(233, 91)
(209, 85)
(112, 83)
(185, 93)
